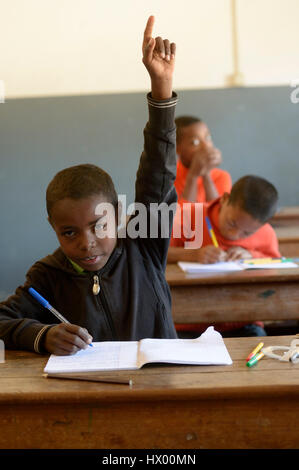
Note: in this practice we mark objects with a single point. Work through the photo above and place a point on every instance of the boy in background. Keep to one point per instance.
(239, 221)
(107, 287)
(198, 178)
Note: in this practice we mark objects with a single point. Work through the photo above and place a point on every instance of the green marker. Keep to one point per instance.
(255, 359)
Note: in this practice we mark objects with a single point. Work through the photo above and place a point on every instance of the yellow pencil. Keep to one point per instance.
(211, 231)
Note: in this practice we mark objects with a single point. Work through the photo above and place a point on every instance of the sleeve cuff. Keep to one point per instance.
(39, 339)
(163, 103)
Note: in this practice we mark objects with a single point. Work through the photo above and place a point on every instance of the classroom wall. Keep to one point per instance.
(67, 47)
(255, 128)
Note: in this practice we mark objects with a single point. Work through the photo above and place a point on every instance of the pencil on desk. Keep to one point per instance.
(211, 231)
(90, 378)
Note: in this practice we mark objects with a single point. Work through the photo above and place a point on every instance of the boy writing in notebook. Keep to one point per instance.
(198, 178)
(239, 222)
(107, 287)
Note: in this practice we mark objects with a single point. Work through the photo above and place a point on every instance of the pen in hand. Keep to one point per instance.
(47, 305)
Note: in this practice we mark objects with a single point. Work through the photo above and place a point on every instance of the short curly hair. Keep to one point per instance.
(256, 196)
(79, 182)
(184, 121)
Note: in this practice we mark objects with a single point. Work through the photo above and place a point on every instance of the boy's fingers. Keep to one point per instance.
(222, 256)
(148, 51)
(68, 348)
(160, 49)
(148, 32)
(74, 341)
(167, 49)
(172, 50)
(79, 331)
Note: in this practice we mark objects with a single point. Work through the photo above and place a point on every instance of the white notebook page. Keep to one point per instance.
(107, 355)
(209, 348)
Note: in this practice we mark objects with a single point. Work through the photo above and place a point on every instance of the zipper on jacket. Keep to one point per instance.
(96, 285)
(96, 288)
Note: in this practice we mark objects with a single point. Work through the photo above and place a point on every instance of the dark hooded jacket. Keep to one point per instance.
(134, 300)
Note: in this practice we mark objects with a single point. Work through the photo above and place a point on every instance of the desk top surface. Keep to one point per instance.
(22, 381)
(175, 276)
(290, 212)
(288, 232)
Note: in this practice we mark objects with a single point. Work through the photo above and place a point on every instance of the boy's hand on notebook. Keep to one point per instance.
(66, 338)
(237, 252)
(159, 59)
(210, 254)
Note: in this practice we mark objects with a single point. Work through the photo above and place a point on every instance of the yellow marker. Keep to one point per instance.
(255, 351)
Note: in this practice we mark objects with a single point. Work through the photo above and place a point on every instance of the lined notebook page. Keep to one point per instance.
(209, 348)
(108, 355)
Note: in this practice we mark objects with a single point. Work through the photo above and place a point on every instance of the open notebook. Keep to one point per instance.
(231, 266)
(208, 349)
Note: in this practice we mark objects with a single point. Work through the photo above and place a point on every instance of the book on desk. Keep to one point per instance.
(232, 266)
(208, 349)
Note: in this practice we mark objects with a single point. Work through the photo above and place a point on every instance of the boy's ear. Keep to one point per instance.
(224, 199)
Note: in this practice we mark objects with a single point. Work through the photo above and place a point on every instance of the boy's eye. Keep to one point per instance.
(195, 142)
(68, 233)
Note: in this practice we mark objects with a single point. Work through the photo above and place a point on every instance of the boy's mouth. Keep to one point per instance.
(91, 259)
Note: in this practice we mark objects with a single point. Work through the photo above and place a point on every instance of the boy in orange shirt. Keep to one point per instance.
(239, 223)
(198, 179)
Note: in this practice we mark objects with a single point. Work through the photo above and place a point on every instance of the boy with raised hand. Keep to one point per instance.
(107, 287)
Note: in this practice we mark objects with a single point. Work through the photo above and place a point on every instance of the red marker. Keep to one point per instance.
(255, 351)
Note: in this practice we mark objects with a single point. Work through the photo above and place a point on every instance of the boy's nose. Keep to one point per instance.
(87, 241)
(234, 234)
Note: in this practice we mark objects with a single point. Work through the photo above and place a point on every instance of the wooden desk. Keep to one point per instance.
(176, 407)
(245, 295)
(286, 217)
(288, 239)
(286, 225)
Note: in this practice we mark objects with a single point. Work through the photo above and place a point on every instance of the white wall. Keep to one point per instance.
(63, 47)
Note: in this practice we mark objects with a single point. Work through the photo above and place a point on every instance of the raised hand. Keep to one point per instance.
(159, 59)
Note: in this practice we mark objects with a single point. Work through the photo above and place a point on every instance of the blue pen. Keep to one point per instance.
(46, 304)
